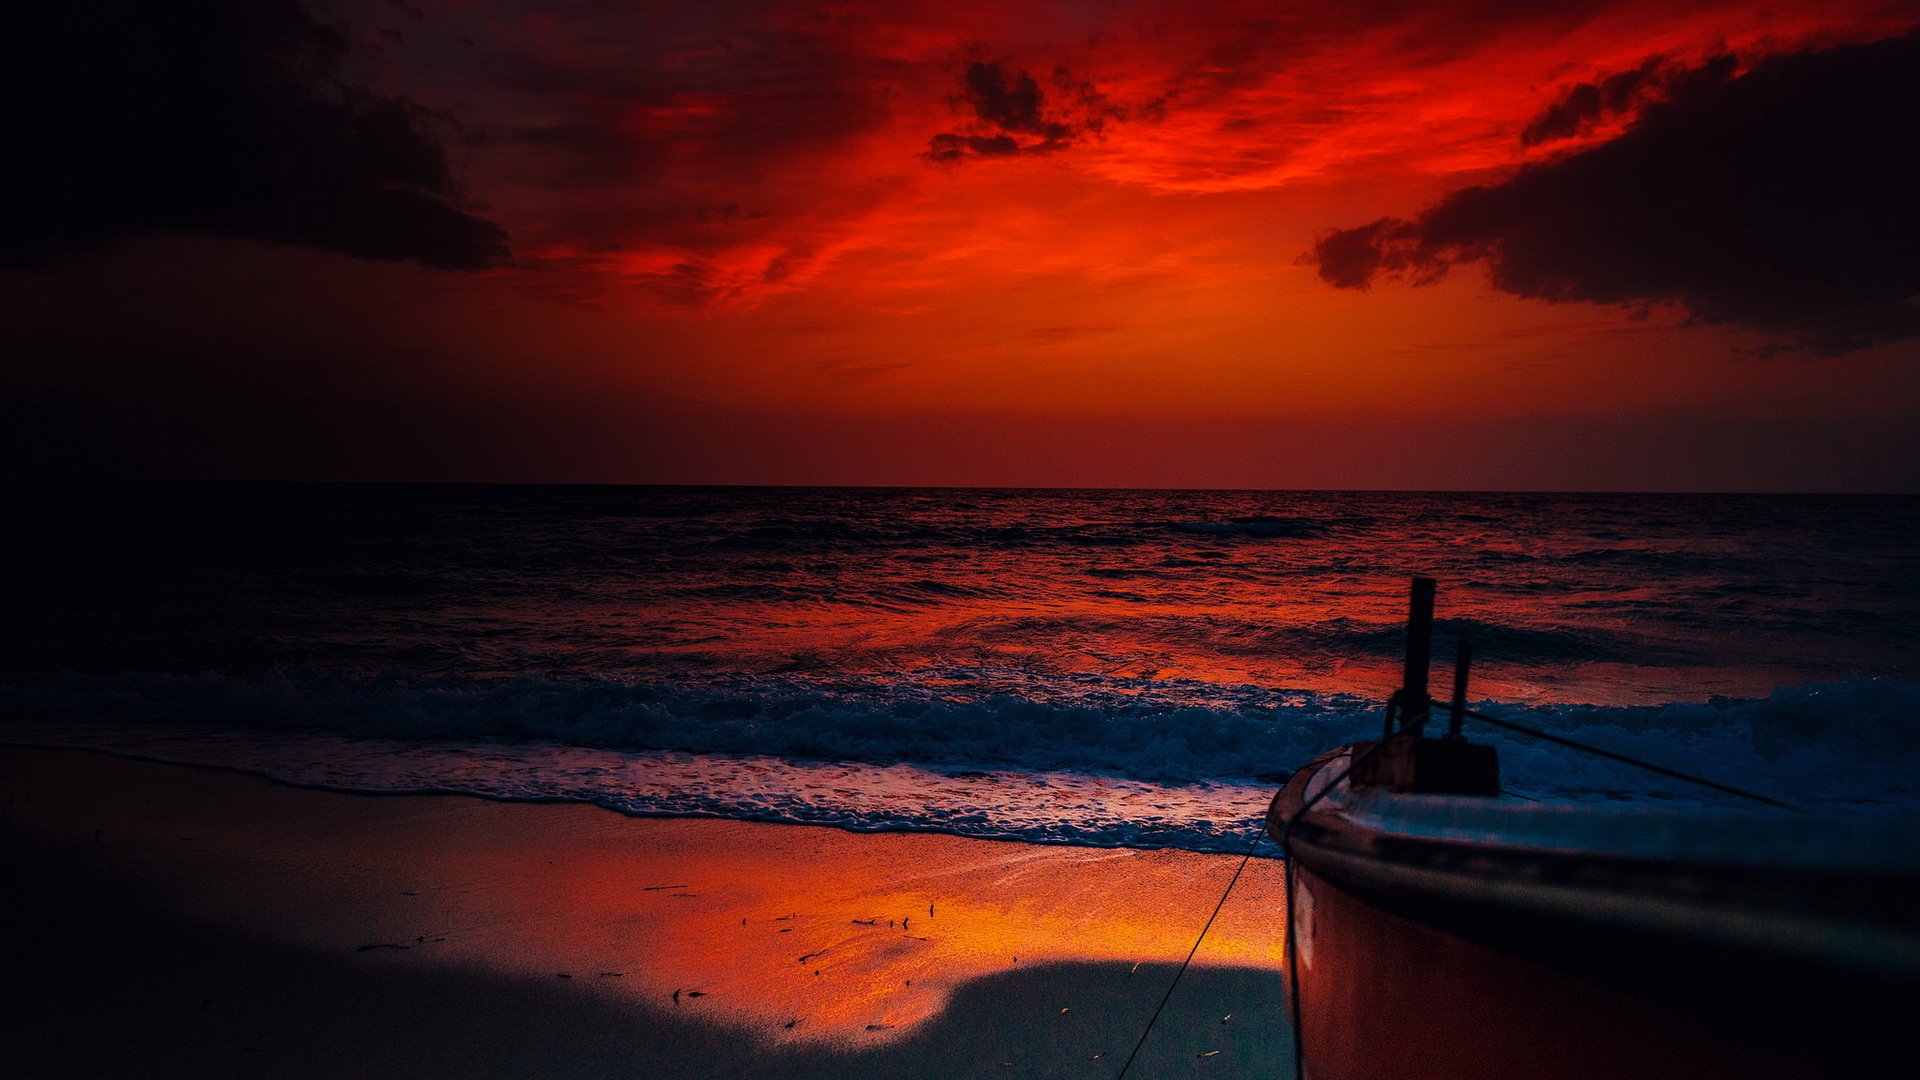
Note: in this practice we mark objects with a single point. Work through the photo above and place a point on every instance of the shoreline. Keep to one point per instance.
(277, 747)
(672, 946)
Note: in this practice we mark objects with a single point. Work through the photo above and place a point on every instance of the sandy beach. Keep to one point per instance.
(167, 920)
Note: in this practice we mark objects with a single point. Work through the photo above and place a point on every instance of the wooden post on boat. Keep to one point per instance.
(1414, 703)
(1462, 661)
(1408, 760)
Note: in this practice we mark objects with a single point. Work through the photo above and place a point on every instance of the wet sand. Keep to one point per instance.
(180, 921)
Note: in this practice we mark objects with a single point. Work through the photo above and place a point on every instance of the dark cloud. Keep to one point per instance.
(1658, 78)
(1786, 200)
(726, 213)
(948, 148)
(1353, 258)
(1011, 104)
(226, 118)
(627, 129)
(1012, 119)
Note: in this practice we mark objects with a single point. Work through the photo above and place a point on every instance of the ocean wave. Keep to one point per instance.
(1854, 743)
(1512, 643)
(1256, 526)
(1328, 640)
(1154, 739)
(825, 534)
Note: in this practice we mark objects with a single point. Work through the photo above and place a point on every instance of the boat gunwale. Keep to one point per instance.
(1849, 919)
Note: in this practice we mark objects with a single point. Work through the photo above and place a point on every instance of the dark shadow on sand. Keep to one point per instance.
(102, 984)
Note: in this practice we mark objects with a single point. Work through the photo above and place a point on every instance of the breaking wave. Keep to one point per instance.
(1097, 761)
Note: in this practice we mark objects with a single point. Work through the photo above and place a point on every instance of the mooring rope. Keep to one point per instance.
(1286, 850)
(1662, 770)
(1168, 996)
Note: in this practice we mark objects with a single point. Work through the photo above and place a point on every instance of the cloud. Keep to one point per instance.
(1012, 104)
(1012, 119)
(1584, 105)
(614, 146)
(601, 134)
(947, 148)
(1784, 200)
(1389, 247)
(224, 118)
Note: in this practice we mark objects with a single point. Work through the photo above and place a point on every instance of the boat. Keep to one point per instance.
(1441, 928)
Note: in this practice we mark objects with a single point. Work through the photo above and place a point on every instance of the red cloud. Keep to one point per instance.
(601, 140)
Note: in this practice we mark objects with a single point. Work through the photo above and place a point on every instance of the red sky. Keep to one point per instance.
(994, 243)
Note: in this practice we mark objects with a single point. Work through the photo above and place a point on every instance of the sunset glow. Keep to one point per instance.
(868, 538)
(1097, 244)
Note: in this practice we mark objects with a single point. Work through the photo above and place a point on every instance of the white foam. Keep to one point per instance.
(1094, 761)
(1051, 807)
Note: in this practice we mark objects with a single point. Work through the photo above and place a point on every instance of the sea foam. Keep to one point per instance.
(1097, 764)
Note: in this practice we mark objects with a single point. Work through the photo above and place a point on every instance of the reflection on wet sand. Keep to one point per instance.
(839, 935)
(802, 940)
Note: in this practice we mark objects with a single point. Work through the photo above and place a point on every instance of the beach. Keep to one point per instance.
(766, 539)
(714, 782)
(167, 920)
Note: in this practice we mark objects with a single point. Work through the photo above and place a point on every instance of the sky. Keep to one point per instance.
(1604, 245)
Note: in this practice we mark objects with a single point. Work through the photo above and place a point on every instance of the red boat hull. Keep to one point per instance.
(1451, 955)
(1386, 998)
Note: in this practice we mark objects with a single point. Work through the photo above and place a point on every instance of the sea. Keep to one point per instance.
(1090, 667)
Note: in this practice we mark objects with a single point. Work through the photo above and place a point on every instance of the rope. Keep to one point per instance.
(1522, 729)
(1164, 998)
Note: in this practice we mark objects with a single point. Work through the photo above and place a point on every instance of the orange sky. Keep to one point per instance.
(852, 243)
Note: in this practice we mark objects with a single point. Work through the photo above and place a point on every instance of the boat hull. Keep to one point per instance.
(1400, 977)
(1387, 998)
